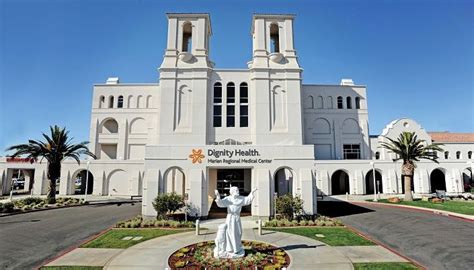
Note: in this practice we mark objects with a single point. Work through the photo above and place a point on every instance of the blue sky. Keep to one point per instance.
(416, 57)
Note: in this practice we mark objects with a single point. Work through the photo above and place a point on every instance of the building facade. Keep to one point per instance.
(201, 128)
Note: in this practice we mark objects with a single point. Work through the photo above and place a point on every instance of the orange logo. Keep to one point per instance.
(196, 156)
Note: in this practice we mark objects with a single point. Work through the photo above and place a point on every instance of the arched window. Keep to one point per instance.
(101, 102)
(377, 155)
(319, 102)
(274, 38)
(446, 154)
(120, 102)
(111, 101)
(130, 102)
(139, 100)
(458, 155)
(230, 105)
(349, 102)
(149, 102)
(217, 118)
(357, 100)
(187, 37)
(469, 154)
(244, 105)
(340, 104)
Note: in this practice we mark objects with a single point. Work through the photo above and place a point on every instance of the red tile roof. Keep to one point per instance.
(452, 137)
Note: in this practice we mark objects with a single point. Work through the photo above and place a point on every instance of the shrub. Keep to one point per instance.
(8, 207)
(32, 200)
(289, 206)
(167, 203)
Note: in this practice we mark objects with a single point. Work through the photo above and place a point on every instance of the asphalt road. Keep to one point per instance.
(435, 241)
(27, 240)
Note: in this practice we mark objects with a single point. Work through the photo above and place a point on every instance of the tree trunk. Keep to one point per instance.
(407, 172)
(54, 173)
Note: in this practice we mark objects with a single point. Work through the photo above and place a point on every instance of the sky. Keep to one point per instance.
(415, 57)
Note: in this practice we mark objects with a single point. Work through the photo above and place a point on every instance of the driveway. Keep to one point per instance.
(27, 240)
(435, 241)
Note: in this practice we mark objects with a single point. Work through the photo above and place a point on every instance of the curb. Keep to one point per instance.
(70, 249)
(421, 209)
(65, 206)
(416, 263)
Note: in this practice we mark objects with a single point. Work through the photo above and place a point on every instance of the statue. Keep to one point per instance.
(229, 235)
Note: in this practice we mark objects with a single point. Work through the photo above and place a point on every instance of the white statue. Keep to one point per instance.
(233, 226)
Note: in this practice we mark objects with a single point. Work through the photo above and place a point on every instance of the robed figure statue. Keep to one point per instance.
(229, 237)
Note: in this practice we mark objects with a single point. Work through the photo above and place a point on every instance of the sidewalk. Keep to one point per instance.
(305, 253)
(92, 199)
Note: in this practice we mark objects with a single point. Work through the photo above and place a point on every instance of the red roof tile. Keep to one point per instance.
(452, 137)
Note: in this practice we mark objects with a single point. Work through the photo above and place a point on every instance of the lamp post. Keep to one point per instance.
(373, 176)
(87, 180)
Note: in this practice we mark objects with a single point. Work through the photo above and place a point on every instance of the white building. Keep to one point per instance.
(202, 128)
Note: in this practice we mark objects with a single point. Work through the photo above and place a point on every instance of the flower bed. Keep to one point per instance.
(257, 255)
(34, 203)
(139, 222)
(319, 221)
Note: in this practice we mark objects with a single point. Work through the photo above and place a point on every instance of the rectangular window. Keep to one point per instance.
(230, 94)
(217, 116)
(351, 151)
(231, 116)
(244, 95)
(244, 115)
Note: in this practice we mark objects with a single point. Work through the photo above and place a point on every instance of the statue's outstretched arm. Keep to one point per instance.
(250, 197)
(219, 202)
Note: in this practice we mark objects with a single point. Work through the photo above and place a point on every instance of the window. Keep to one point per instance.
(230, 104)
(187, 37)
(351, 151)
(111, 101)
(349, 102)
(357, 100)
(469, 154)
(446, 155)
(217, 112)
(377, 155)
(274, 38)
(244, 107)
(230, 116)
(120, 102)
(340, 103)
(458, 154)
(217, 115)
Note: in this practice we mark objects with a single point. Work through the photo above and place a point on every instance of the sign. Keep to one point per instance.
(228, 156)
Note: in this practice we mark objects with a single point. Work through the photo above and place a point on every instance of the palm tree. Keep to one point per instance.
(410, 149)
(55, 149)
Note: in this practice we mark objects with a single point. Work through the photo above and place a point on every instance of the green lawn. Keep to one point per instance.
(333, 236)
(384, 266)
(451, 206)
(113, 238)
(71, 268)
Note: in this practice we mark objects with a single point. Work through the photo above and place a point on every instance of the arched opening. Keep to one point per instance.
(174, 180)
(377, 155)
(357, 101)
(83, 180)
(339, 183)
(117, 183)
(283, 181)
(101, 102)
(349, 102)
(446, 154)
(111, 101)
(110, 126)
(139, 100)
(458, 154)
(340, 103)
(230, 107)
(149, 102)
(319, 102)
(468, 182)
(469, 155)
(130, 102)
(120, 102)
(329, 103)
(187, 37)
(274, 38)
(369, 182)
(437, 180)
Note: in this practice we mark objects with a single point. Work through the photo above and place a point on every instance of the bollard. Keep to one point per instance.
(259, 222)
(347, 196)
(197, 226)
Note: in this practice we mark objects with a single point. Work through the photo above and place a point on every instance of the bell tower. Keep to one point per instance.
(184, 78)
(276, 76)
